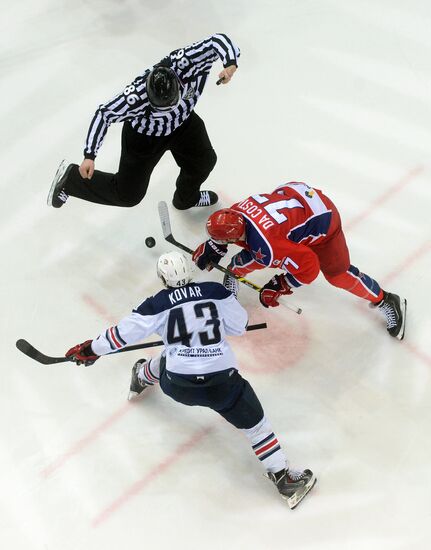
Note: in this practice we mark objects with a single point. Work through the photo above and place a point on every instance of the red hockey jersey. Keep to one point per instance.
(282, 228)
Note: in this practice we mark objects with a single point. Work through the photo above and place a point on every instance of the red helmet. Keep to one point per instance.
(225, 226)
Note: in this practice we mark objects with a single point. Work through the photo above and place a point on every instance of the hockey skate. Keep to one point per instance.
(231, 284)
(207, 198)
(57, 195)
(293, 485)
(394, 309)
(136, 385)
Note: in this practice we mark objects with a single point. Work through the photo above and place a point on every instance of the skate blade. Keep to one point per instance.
(403, 305)
(296, 498)
(133, 395)
(58, 175)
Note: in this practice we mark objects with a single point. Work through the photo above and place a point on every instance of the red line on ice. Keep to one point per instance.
(85, 441)
(153, 474)
(408, 261)
(98, 308)
(385, 196)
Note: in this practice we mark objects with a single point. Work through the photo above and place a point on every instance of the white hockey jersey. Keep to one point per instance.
(193, 322)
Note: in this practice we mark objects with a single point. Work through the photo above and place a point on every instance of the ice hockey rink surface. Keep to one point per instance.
(332, 93)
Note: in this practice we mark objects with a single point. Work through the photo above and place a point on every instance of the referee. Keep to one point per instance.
(157, 112)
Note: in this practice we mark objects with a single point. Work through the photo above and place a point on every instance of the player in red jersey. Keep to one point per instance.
(298, 229)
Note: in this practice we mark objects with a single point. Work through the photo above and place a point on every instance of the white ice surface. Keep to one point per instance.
(333, 93)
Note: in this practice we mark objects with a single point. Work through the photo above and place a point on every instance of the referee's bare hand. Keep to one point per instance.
(226, 74)
(87, 169)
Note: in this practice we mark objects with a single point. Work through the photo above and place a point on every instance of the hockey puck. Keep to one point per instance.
(150, 242)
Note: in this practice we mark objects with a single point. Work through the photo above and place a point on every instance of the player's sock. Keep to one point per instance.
(266, 446)
(358, 283)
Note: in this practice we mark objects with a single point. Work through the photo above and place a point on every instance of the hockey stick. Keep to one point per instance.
(27, 349)
(167, 233)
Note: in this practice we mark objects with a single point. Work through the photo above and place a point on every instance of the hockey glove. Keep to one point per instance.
(82, 354)
(273, 289)
(208, 253)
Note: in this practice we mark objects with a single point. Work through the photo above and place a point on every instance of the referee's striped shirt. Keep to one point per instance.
(192, 65)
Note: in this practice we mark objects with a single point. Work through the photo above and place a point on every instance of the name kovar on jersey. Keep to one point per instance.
(192, 320)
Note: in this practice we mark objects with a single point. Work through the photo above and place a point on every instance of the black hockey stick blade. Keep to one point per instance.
(27, 349)
(167, 233)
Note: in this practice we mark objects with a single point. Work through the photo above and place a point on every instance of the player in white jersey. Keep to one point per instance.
(197, 366)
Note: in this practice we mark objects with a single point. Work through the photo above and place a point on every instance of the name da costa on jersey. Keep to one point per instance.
(254, 211)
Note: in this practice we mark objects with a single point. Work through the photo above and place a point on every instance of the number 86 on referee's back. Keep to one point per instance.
(131, 97)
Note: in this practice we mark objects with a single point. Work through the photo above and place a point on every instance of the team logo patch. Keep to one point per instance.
(259, 255)
(189, 93)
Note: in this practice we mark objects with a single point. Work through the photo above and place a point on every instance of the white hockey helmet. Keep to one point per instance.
(174, 269)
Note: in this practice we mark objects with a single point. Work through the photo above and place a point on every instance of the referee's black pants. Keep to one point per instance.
(190, 147)
(226, 392)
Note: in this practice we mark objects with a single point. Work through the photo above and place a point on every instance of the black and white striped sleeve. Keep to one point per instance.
(226, 49)
(127, 105)
(197, 59)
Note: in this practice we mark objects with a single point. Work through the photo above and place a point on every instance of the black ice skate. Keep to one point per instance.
(394, 309)
(136, 385)
(57, 195)
(207, 198)
(293, 485)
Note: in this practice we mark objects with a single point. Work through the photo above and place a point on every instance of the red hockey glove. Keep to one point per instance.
(273, 289)
(208, 253)
(82, 354)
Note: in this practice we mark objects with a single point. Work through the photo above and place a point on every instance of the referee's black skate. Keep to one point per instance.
(394, 309)
(207, 198)
(293, 485)
(57, 195)
(137, 386)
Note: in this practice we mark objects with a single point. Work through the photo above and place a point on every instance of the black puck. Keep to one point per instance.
(150, 242)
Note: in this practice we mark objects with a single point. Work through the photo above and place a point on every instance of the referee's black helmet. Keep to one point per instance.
(163, 88)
